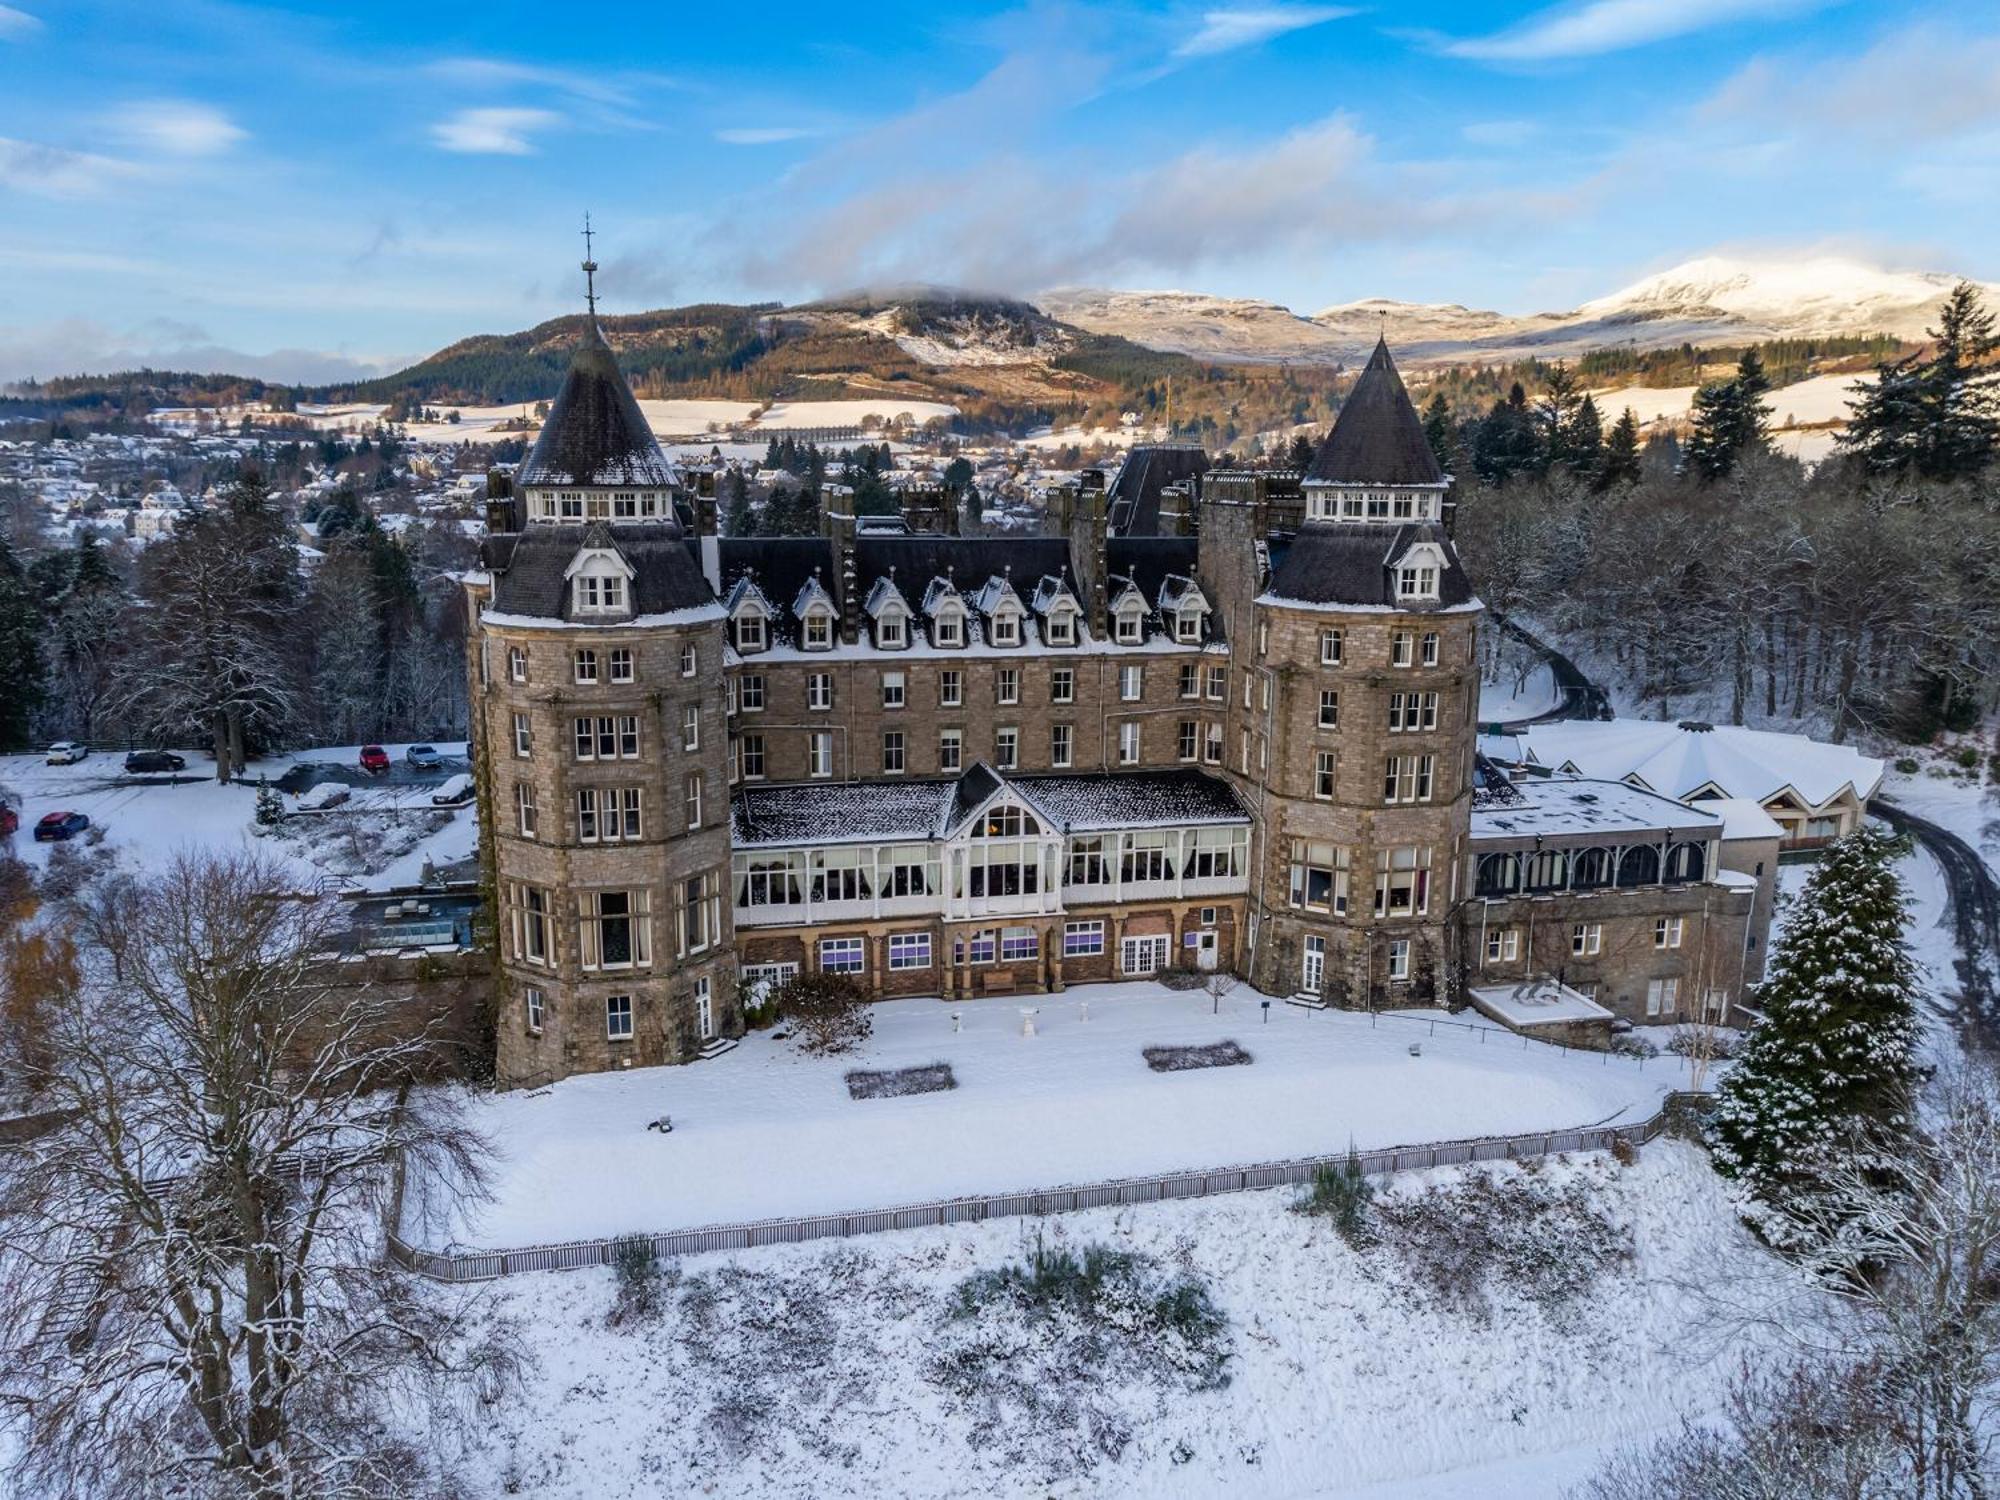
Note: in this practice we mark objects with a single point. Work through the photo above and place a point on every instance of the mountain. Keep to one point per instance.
(1711, 300)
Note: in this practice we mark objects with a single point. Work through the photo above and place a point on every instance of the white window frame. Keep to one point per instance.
(895, 690)
(1131, 683)
(524, 736)
(909, 950)
(819, 691)
(1668, 931)
(951, 750)
(848, 955)
(620, 1022)
(819, 754)
(1143, 955)
(1062, 746)
(517, 664)
(1128, 742)
(1586, 939)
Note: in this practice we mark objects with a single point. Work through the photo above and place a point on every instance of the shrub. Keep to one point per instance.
(828, 1011)
(1907, 764)
(637, 1270)
(1343, 1194)
(899, 1083)
(1631, 1044)
(1967, 756)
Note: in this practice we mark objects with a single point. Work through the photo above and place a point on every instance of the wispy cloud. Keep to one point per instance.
(52, 172)
(1227, 30)
(179, 127)
(1500, 134)
(767, 135)
(1599, 26)
(16, 23)
(1943, 83)
(496, 72)
(492, 132)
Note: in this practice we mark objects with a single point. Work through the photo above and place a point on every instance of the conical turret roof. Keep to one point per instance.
(1378, 437)
(595, 434)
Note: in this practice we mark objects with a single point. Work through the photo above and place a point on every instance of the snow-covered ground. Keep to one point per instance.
(1961, 798)
(1499, 702)
(1354, 1374)
(147, 819)
(850, 413)
(765, 1132)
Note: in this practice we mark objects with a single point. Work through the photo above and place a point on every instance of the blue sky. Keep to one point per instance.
(292, 189)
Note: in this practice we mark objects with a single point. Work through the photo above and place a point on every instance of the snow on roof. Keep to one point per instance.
(1681, 759)
(1743, 818)
(1537, 1002)
(1565, 805)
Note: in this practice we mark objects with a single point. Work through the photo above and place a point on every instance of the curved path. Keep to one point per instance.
(1974, 897)
(1581, 698)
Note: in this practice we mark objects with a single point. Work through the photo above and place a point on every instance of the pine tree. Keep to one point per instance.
(1584, 438)
(20, 650)
(1729, 417)
(1620, 463)
(1440, 432)
(1556, 415)
(737, 519)
(1301, 453)
(1935, 416)
(1835, 1054)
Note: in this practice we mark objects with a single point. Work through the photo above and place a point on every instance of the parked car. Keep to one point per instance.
(374, 759)
(66, 753)
(455, 792)
(423, 757)
(59, 826)
(154, 760)
(9, 821)
(326, 794)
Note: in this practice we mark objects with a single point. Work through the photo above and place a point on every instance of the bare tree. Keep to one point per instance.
(193, 1294)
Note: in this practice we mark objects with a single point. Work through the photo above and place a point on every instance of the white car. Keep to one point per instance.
(326, 794)
(66, 753)
(453, 791)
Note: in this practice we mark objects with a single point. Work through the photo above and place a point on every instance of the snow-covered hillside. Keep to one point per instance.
(1425, 1364)
(1710, 299)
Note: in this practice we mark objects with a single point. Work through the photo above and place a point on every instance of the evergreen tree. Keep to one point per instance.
(1835, 1054)
(1620, 462)
(1300, 455)
(737, 518)
(1935, 416)
(1504, 442)
(1441, 433)
(1556, 415)
(1583, 438)
(23, 692)
(1729, 418)
(84, 611)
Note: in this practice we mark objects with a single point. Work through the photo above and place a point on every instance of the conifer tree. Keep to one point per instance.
(20, 650)
(737, 519)
(1935, 416)
(1834, 1057)
(1729, 418)
(1584, 438)
(1440, 432)
(1620, 462)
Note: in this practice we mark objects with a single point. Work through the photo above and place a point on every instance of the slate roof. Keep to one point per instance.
(1559, 807)
(865, 811)
(1378, 437)
(1340, 562)
(1132, 499)
(595, 434)
(528, 568)
(1681, 759)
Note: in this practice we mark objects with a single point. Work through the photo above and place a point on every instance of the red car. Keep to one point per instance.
(9, 820)
(374, 759)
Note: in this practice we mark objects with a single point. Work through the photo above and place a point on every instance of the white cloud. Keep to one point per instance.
(15, 23)
(766, 135)
(492, 132)
(1600, 26)
(1920, 84)
(51, 172)
(1227, 30)
(179, 127)
(82, 346)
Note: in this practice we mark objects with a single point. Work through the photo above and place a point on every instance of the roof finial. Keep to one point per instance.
(589, 269)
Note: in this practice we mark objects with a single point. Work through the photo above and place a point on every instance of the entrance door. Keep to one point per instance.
(1312, 971)
(1205, 951)
(704, 1010)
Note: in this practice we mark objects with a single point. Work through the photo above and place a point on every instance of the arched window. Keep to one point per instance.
(1590, 869)
(1639, 865)
(1687, 862)
(1548, 870)
(1498, 875)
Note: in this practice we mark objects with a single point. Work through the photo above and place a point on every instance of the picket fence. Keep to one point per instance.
(484, 1265)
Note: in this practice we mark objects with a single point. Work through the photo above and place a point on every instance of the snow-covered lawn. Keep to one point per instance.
(147, 819)
(1961, 798)
(818, 1371)
(764, 1131)
(1499, 702)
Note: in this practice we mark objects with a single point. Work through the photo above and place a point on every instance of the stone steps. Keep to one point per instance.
(715, 1046)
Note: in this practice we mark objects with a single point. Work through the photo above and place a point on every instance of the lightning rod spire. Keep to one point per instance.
(589, 269)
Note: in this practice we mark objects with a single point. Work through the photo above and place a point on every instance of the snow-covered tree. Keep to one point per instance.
(194, 1298)
(20, 650)
(1833, 1060)
(1939, 416)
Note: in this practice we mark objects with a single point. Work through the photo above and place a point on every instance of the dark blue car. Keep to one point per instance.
(60, 825)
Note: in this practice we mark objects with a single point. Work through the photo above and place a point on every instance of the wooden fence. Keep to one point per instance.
(484, 1265)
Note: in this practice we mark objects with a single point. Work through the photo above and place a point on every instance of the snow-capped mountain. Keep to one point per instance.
(1712, 299)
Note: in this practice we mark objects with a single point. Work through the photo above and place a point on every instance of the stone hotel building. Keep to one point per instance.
(1218, 720)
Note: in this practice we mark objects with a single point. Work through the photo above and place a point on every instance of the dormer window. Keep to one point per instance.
(1187, 625)
(1007, 629)
(889, 631)
(750, 632)
(1416, 581)
(599, 596)
(1062, 627)
(1129, 627)
(819, 631)
(950, 628)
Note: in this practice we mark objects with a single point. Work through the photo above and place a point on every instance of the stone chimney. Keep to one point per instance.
(836, 525)
(708, 540)
(1177, 509)
(1084, 518)
(502, 513)
(1232, 514)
